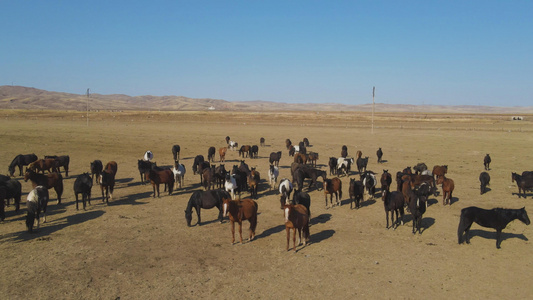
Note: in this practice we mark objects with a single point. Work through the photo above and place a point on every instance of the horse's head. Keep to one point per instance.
(11, 170)
(523, 216)
(188, 217)
(225, 206)
(27, 174)
(513, 176)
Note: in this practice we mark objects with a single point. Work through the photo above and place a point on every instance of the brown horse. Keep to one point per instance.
(296, 217)
(41, 165)
(288, 143)
(52, 180)
(333, 186)
(112, 167)
(107, 180)
(164, 176)
(238, 211)
(358, 154)
(447, 189)
(300, 158)
(60, 161)
(245, 150)
(222, 153)
(253, 183)
(440, 171)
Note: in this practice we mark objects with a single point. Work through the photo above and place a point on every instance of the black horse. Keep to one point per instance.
(379, 154)
(205, 200)
(393, 203)
(144, 168)
(176, 152)
(332, 166)
(10, 188)
(357, 190)
(197, 161)
(21, 161)
(484, 180)
(96, 168)
(83, 186)
(303, 172)
(496, 218)
(486, 162)
(524, 182)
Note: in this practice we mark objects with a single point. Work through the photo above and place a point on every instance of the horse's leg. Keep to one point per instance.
(232, 232)
(153, 186)
(197, 208)
(387, 218)
(76, 195)
(288, 230)
(240, 230)
(498, 238)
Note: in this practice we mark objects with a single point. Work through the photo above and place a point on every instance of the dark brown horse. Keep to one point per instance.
(393, 203)
(107, 180)
(486, 162)
(211, 154)
(357, 190)
(386, 180)
(238, 211)
(312, 157)
(164, 176)
(447, 189)
(300, 158)
(253, 182)
(52, 180)
(60, 161)
(332, 187)
(296, 217)
(524, 182)
(245, 150)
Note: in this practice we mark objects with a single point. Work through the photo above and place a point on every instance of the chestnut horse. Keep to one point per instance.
(222, 153)
(41, 165)
(440, 171)
(296, 217)
(447, 189)
(238, 211)
(52, 180)
(107, 180)
(333, 186)
(253, 182)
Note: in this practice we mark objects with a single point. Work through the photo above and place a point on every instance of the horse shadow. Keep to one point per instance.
(431, 202)
(384, 161)
(426, 223)
(321, 236)
(271, 231)
(492, 235)
(453, 200)
(487, 189)
(321, 219)
(42, 234)
(123, 180)
(367, 203)
(131, 199)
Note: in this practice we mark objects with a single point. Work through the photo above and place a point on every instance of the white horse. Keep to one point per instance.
(231, 185)
(371, 185)
(273, 173)
(148, 156)
(233, 145)
(36, 203)
(179, 173)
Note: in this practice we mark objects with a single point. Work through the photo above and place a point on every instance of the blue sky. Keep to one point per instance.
(413, 52)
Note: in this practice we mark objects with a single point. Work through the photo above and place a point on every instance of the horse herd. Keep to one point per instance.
(222, 187)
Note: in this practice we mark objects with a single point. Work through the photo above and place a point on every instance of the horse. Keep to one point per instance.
(332, 163)
(148, 155)
(303, 172)
(241, 178)
(312, 157)
(144, 168)
(238, 211)
(36, 203)
(107, 184)
(304, 199)
(42, 165)
(300, 158)
(344, 165)
(385, 180)
(20, 161)
(222, 153)
(393, 203)
(357, 190)
(306, 142)
(262, 141)
(440, 171)
(60, 161)
(164, 176)
(208, 177)
(274, 158)
(197, 161)
(179, 173)
(200, 171)
(253, 182)
(524, 182)
(296, 217)
(418, 208)
(233, 145)
(331, 187)
(112, 166)
(254, 150)
(292, 150)
(96, 168)
(231, 185)
(211, 154)
(344, 151)
(285, 187)
(361, 164)
(370, 182)
(496, 218)
(447, 189)
(486, 162)
(52, 180)
(227, 140)
(420, 167)
(176, 152)
(10, 188)
(417, 180)
(379, 154)
(301, 148)
(273, 173)
(83, 186)
(245, 149)
(288, 143)
(205, 200)
(484, 179)
(220, 175)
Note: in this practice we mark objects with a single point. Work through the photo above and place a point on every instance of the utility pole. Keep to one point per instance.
(88, 107)
(373, 103)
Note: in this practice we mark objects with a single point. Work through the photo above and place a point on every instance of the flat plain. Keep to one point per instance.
(140, 247)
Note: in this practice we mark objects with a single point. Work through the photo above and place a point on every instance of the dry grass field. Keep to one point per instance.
(139, 247)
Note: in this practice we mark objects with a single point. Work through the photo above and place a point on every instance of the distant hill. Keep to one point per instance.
(19, 97)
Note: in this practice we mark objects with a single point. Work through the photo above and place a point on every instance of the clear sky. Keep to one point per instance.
(413, 52)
